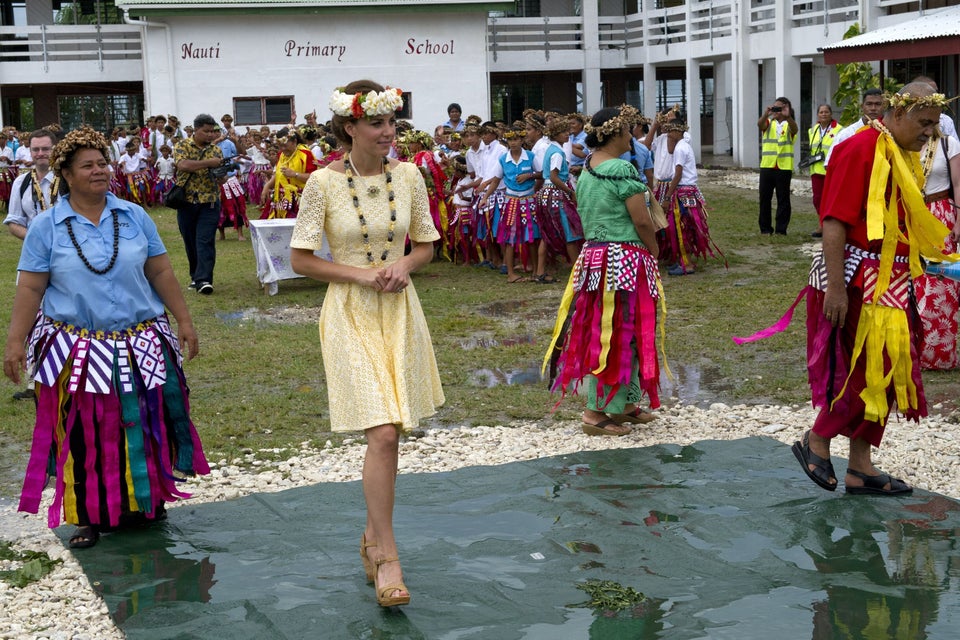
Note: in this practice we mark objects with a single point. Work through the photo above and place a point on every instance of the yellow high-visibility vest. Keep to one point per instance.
(818, 145)
(777, 151)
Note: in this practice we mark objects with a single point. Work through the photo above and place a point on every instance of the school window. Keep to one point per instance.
(406, 111)
(259, 111)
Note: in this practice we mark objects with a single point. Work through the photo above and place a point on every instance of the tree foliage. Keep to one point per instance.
(855, 78)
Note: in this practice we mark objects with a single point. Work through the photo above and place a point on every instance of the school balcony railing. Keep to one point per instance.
(700, 22)
(40, 51)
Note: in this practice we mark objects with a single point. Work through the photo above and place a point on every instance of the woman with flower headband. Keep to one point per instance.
(294, 166)
(518, 218)
(112, 402)
(417, 147)
(382, 375)
(557, 204)
(687, 234)
(605, 334)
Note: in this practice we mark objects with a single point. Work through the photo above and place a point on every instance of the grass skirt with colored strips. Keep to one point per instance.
(233, 204)
(558, 218)
(607, 322)
(840, 393)
(687, 235)
(286, 207)
(488, 217)
(113, 413)
(7, 176)
(518, 222)
(464, 237)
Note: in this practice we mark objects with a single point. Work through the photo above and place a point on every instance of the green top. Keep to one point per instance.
(601, 201)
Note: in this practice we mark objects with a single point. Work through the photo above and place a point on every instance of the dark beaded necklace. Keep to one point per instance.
(600, 176)
(349, 171)
(83, 258)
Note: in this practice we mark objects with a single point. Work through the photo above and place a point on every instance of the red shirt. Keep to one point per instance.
(847, 186)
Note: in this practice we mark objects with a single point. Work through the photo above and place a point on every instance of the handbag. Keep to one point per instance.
(176, 197)
(657, 214)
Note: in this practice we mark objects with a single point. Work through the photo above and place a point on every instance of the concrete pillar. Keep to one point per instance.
(694, 100)
(592, 90)
(649, 90)
(722, 107)
(746, 136)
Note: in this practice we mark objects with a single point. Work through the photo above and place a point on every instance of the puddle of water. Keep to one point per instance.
(481, 342)
(493, 377)
(694, 384)
(278, 315)
(502, 308)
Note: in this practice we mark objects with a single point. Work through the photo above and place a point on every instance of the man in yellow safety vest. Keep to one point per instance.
(778, 133)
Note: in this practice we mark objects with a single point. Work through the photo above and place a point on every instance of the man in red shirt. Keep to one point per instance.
(862, 344)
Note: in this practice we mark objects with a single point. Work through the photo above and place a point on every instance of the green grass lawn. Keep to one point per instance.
(259, 382)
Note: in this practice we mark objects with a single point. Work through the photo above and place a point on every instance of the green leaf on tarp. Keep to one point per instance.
(35, 565)
(607, 595)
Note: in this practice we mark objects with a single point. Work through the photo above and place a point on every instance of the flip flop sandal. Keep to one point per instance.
(84, 538)
(603, 429)
(874, 485)
(637, 416)
(823, 471)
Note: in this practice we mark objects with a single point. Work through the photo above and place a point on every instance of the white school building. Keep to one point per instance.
(115, 61)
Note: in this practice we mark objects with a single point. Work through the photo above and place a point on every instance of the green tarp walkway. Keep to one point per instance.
(727, 540)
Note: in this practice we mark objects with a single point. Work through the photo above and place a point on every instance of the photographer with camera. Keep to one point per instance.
(778, 133)
(821, 136)
(198, 214)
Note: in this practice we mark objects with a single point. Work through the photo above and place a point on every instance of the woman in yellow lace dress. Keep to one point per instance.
(380, 368)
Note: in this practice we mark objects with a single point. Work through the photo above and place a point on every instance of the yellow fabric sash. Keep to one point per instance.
(885, 330)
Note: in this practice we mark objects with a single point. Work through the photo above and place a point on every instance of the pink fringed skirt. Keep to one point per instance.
(113, 418)
(611, 322)
(518, 222)
(558, 218)
(687, 236)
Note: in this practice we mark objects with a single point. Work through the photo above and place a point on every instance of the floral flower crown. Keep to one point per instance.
(909, 102)
(628, 116)
(368, 105)
(667, 127)
(662, 117)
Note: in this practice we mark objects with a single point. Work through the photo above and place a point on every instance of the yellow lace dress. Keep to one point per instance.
(377, 354)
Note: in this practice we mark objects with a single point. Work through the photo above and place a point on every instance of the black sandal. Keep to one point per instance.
(85, 537)
(874, 485)
(823, 471)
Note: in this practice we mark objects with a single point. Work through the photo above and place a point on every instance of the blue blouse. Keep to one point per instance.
(118, 299)
(564, 172)
(512, 169)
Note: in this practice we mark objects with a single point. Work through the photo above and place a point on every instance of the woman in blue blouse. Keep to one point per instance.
(112, 404)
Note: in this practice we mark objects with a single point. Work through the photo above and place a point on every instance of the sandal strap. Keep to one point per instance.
(390, 588)
(381, 561)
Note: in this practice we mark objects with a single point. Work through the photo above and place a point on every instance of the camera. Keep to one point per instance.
(776, 109)
(224, 169)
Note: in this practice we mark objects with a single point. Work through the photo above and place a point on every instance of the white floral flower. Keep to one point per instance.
(373, 103)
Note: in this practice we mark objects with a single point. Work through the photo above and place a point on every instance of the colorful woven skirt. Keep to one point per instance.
(113, 417)
(518, 221)
(687, 236)
(607, 323)
(558, 218)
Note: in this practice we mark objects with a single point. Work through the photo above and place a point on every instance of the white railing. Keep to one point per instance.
(763, 16)
(49, 44)
(546, 34)
(813, 12)
(710, 20)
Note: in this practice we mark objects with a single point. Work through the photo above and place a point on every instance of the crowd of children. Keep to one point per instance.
(501, 196)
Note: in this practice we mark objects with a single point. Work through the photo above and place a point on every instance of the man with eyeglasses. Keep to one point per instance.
(32, 193)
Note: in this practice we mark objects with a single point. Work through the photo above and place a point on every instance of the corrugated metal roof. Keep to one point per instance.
(934, 24)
